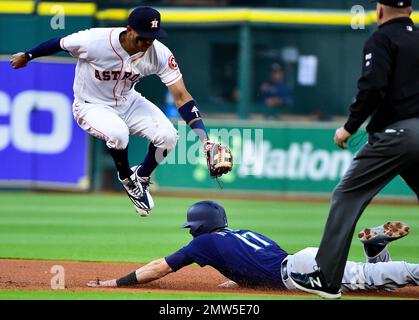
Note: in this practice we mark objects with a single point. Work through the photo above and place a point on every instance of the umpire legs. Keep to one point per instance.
(376, 164)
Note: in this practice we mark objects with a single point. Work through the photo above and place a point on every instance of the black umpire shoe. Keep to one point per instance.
(314, 283)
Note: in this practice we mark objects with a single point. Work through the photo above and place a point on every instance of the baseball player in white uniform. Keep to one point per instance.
(110, 62)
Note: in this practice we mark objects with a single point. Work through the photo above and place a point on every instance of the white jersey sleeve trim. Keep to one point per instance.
(62, 44)
(173, 81)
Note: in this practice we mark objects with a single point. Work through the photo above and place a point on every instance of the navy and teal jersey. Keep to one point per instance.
(246, 257)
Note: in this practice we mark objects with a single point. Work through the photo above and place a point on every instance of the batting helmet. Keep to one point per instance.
(204, 217)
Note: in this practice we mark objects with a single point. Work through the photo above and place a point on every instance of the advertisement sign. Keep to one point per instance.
(40, 143)
(276, 159)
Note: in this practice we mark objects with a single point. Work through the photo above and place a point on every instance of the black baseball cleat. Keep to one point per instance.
(314, 283)
(146, 198)
(384, 234)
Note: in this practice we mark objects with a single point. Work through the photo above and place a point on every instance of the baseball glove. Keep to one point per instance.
(219, 159)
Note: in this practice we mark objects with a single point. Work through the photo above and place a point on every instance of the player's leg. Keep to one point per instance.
(120, 158)
(361, 276)
(105, 123)
(102, 122)
(302, 261)
(375, 165)
(378, 254)
(146, 120)
(380, 275)
(364, 179)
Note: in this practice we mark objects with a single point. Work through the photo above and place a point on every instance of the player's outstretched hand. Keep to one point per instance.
(103, 284)
(18, 60)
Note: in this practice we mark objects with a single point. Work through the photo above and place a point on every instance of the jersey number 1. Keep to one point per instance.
(252, 240)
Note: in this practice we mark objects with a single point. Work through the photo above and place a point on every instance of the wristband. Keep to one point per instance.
(189, 111)
(128, 280)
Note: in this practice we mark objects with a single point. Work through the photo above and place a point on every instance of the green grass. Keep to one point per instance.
(105, 227)
(74, 295)
(94, 227)
(67, 295)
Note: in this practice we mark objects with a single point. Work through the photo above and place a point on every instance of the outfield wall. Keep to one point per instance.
(223, 51)
(233, 51)
(270, 159)
(42, 146)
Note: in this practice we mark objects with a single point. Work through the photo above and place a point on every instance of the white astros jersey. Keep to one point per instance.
(106, 104)
(106, 73)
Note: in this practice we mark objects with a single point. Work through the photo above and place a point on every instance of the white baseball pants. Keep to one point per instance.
(377, 273)
(138, 116)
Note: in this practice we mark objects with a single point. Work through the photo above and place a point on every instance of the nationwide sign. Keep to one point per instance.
(283, 159)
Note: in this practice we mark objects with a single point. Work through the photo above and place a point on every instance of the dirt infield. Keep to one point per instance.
(35, 275)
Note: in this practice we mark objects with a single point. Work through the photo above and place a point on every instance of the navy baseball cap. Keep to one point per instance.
(146, 22)
(395, 3)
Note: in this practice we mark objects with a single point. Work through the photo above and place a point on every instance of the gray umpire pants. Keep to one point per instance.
(388, 153)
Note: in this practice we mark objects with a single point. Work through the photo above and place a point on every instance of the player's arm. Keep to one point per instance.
(169, 73)
(76, 44)
(154, 270)
(219, 157)
(188, 109)
(47, 48)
